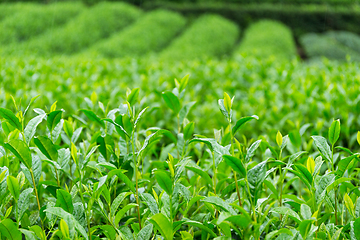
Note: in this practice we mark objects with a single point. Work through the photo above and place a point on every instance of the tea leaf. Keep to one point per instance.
(279, 139)
(305, 211)
(133, 96)
(64, 200)
(310, 164)
(349, 204)
(323, 147)
(145, 233)
(9, 230)
(150, 202)
(343, 165)
(241, 122)
(46, 147)
(334, 131)
(93, 117)
(201, 226)
(30, 128)
(21, 151)
(69, 219)
(122, 177)
(172, 101)
(219, 203)
(11, 118)
(53, 119)
(164, 181)
(117, 201)
(119, 215)
(13, 186)
(235, 164)
(251, 151)
(163, 225)
(23, 202)
(227, 102)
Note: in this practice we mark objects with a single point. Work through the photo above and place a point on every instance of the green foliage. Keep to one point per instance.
(32, 20)
(209, 35)
(151, 33)
(8, 9)
(154, 182)
(335, 45)
(300, 18)
(92, 25)
(268, 38)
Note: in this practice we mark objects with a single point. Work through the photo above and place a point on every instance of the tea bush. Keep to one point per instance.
(268, 38)
(108, 173)
(150, 33)
(209, 35)
(32, 20)
(285, 95)
(333, 45)
(94, 24)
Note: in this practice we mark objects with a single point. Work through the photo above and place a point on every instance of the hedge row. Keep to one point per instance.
(151, 33)
(300, 18)
(333, 45)
(268, 38)
(209, 35)
(89, 27)
(31, 20)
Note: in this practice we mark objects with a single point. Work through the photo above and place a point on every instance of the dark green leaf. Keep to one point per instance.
(64, 200)
(133, 96)
(93, 117)
(11, 118)
(47, 147)
(242, 121)
(53, 119)
(334, 131)
(343, 165)
(163, 225)
(9, 230)
(164, 181)
(13, 186)
(122, 177)
(235, 164)
(20, 150)
(171, 101)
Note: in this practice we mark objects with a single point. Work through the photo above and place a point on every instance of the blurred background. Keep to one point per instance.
(182, 29)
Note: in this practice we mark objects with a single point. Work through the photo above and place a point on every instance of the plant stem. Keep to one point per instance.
(136, 178)
(57, 177)
(233, 154)
(83, 202)
(36, 194)
(335, 188)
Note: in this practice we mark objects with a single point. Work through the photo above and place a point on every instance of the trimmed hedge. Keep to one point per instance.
(300, 18)
(333, 45)
(268, 38)
(151, 33)
(31, 20)
(92, 25)
(209, 35)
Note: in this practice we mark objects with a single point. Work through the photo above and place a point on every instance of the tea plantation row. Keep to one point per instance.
(120, 30)
(165, 159)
